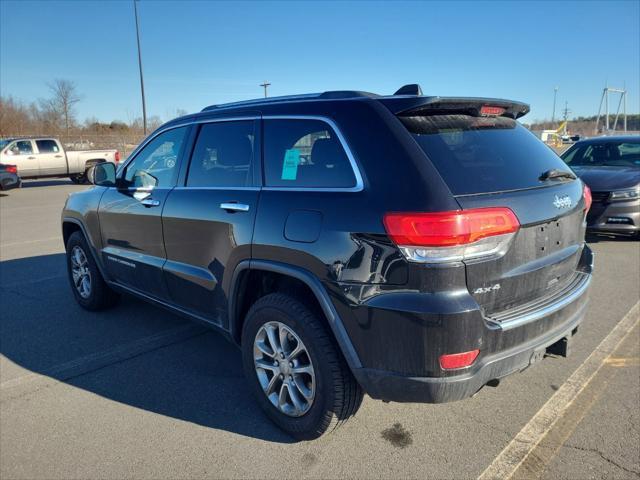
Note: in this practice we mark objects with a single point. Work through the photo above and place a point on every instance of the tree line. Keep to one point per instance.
(56, 116)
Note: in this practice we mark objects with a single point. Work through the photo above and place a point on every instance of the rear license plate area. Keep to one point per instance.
(551, 236)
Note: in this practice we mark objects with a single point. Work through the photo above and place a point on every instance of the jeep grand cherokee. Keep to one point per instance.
(414, 248)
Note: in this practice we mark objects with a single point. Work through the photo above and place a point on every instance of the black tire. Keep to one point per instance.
(337, 394)
(100, 296)
(78, 179)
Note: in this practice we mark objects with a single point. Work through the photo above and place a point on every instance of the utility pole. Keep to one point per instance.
(565, 115)
(555, 95)
(622, 102)
(265, 85)
(144, 106)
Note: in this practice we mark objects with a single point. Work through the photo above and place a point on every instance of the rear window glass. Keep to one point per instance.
(482, 154)
(47, 146)
(305, 153)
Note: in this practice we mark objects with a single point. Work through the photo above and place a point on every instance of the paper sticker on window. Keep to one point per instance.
(290, 165)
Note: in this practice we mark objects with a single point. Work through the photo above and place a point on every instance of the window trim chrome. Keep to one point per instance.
(358, 187)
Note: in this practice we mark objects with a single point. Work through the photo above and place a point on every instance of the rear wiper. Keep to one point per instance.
(556, 174)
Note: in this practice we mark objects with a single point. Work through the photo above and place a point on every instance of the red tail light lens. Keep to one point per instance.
(117, 157)
(445, 229)
(452, 236)
(11, 169)
(588, 200)
(458, 360)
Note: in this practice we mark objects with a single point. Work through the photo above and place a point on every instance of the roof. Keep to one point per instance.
(407, 99)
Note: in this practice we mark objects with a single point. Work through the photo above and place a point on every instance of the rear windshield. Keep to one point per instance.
(482, 154)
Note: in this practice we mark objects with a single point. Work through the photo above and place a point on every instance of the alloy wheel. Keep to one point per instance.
(284, 369)
(80, 272)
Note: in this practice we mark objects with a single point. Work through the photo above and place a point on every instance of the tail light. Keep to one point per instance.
(588, 200)
(452, 236)
(458, 360)
(117, 156)
(11, 169)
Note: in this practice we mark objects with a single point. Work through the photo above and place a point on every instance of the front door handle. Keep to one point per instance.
(150, 202)
(234, 207)
(58, 156)
(31, 158)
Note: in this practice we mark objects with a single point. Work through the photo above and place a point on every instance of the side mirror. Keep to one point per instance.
(102, 174)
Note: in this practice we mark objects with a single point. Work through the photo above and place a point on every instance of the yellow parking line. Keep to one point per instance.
(525, 442)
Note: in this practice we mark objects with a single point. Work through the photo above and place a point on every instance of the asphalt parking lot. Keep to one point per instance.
(137, 392)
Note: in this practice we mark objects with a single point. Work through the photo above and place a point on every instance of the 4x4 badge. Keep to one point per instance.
(562, 202)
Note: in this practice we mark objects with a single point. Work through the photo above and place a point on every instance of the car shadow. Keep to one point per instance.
(195, 377)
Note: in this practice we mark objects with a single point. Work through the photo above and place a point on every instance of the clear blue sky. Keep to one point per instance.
(203, 52)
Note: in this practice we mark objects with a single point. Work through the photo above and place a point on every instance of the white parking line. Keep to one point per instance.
(508, 461)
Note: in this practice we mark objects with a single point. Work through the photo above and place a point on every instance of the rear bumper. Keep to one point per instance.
(615, 217)
(388, 386)
(524, 338)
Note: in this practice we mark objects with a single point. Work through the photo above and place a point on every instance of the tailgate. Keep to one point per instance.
(493, 161)
(544, 253)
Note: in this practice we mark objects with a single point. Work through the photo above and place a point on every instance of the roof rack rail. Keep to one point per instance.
(336, 95)
(242, 103)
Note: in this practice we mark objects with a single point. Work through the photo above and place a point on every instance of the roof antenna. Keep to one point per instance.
(411, 89)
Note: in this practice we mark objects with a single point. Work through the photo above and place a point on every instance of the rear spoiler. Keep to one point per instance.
(416, 106)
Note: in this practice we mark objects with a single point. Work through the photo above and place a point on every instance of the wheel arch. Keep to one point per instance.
(71, 225)
(238, 289)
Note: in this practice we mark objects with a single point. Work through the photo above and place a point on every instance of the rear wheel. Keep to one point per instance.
(78, 179)
(295, 370)
(89, 288)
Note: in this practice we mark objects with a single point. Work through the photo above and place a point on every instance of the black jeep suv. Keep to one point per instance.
(410, 247)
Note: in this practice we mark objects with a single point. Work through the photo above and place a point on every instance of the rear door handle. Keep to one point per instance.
(58, 156)
(31, 158)
(234, 207)
(150, 202)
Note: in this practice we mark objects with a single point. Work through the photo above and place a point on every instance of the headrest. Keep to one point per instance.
(327, 151)
(235, 153)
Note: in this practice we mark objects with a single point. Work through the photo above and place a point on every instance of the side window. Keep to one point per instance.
(305, 153)
(579, 156)
(223, 155)
(47, 146)
(21, 147)
(156, 165)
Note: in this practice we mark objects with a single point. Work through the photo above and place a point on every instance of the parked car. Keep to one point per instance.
(415, 248)
(9, 178)
(611, 168)
(40, 157)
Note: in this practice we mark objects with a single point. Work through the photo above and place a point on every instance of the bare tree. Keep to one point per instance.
(65, 96)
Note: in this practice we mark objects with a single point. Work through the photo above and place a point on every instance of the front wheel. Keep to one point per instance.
(89, 288)
(295, 370)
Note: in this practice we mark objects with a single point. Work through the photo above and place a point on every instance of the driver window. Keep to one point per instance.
(21, 147)
(156, 165)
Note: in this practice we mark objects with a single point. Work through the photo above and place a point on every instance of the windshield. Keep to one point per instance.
(483, 154)
(4, 143)
(605, 154)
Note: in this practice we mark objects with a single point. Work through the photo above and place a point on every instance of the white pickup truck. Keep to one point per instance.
(38, 157)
